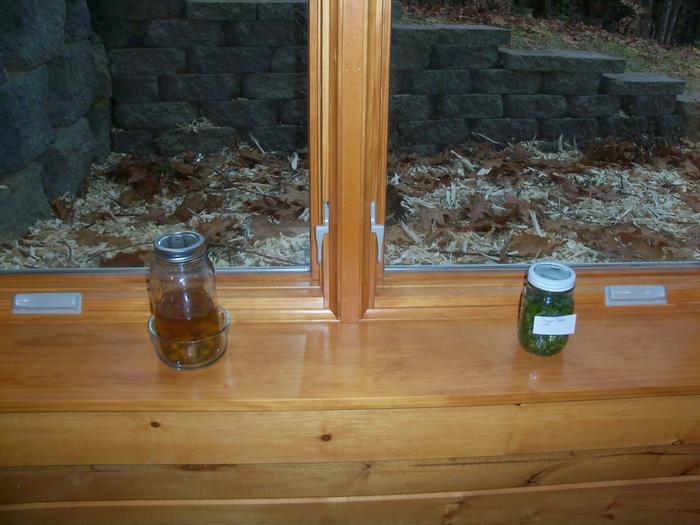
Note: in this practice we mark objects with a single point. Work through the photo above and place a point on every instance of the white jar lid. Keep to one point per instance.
(551, 277)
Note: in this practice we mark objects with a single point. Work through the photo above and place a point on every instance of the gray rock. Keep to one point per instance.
(137, 9)
(437, 132)
(396, 9)
(26, 129)
(571, 83)
(441, 82)
(199, 87)
(413, 34)
(471, 106)
(31, 32)
(100, 120)
(624, 126)
(462, 57)
(135, 142)
(410, 57)
(77, 21)
(223, 10)
(534, 106)
(506, 129)
(409, 107)
(268, 33)
(642, 84)
(120, 34)
(670, 126)
(210, 140)
(275, 85)
(400, 82)
(594, 106)
(139, 88)
(650, 105)
(290, 59)
(154, 115)
(104, 78)
(570, 128)
(72, 83)
(240, 113)
(127, 62)
(66, 163)
(228, 59)
(467, 35)
(505, 81)
(560, 60)
(22, 202)
(285, 10)
(688, 106)
(280, 138)
(294, 112)
(184, 33)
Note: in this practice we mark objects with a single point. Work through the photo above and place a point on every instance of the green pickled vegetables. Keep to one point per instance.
(535, 302)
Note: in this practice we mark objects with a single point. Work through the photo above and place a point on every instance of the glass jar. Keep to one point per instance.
(188, 329)
(546, 318)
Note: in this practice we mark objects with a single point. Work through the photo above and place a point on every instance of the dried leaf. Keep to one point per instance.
(213, 229)
(182, 168)
(64, 208)
(128, 259)
(692, 200)
(263, 228)
(529, 245)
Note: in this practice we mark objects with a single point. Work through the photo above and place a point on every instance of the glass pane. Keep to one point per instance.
(124, 120)
(504, 150)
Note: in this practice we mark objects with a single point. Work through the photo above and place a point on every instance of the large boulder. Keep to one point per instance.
(26, 130)
(31, 31)
(78, 25)
(22, 202)
(67, 161)
(72, 83)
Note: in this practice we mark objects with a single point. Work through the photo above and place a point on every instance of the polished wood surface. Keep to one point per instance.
(60, 364)
(332, 479)
(32, 439)
(641, 502)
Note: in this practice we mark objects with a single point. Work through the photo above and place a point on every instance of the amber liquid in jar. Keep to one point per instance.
(188, 319)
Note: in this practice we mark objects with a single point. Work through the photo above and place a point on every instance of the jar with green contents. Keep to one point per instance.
(547, 316)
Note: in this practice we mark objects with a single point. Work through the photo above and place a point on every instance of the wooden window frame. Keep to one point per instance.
(348, 118)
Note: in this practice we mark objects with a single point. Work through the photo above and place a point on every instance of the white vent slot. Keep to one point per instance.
(47, 303)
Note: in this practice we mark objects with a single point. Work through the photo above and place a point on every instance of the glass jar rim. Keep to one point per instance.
(179, 246)
(551, 277)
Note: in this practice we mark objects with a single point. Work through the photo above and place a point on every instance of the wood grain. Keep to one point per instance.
(363, 478)
(323, 366)
(349, 228)
(32, 439)
(673, 501)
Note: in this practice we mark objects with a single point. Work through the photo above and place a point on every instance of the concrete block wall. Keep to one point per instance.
(453, 83)
(242, 66)
(54, 106)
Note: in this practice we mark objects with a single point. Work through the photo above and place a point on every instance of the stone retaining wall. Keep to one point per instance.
(453, 83)
(198, 75)
(54, 106)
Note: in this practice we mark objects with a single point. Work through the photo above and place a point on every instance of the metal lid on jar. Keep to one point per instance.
(551, 277)
(179, 247)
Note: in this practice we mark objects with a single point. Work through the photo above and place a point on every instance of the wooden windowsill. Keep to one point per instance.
(107, 366)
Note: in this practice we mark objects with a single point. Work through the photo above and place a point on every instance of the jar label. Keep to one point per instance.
(564, 325)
